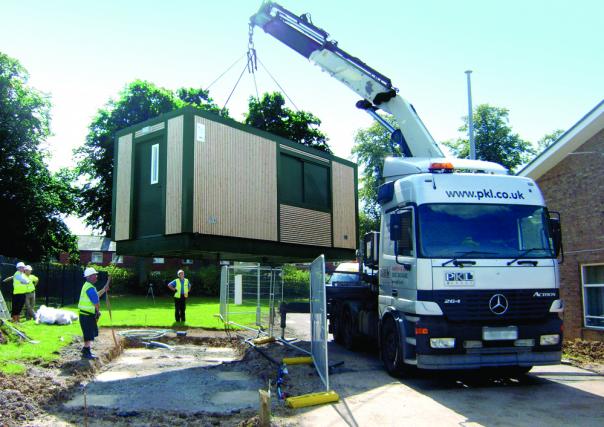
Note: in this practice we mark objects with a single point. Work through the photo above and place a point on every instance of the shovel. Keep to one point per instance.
(19, 333)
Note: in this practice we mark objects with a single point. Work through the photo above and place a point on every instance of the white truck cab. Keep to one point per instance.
(468, 275)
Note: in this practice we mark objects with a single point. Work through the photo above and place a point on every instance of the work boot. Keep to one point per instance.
(87, 354)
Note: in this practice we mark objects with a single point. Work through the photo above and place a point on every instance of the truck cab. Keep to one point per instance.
(468, 276)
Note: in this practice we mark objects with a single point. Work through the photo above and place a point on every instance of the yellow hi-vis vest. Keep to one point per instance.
(33, 282)
(85, 305)
(18, 287)
(179, 286)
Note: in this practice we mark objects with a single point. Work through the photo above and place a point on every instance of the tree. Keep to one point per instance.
(139, 101)
(371, 147)
(495, 141)
(32, 199)
(549, 139)
(271, 115)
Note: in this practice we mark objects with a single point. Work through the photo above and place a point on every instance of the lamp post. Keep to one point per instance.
(470, 121)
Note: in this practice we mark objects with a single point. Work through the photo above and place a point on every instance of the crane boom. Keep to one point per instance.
(377, 91)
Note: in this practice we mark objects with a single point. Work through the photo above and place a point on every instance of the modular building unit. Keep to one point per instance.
(192, 184)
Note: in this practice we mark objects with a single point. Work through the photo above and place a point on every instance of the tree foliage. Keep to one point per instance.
(32, 199)
(371, 146)
(139, 101)
(549, 139)
(271, 115)
(494, 138)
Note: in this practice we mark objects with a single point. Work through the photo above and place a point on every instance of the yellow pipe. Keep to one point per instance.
(312, 399)
(264, 340)
(297, 360)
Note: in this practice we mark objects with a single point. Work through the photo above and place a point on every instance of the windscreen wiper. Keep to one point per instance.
(455, 260)
(525, 252)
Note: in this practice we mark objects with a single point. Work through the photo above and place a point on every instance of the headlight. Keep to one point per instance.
(549, 339)
(442, 342)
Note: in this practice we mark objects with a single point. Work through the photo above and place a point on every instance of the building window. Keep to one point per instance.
(592, 277)
(158, 260)
(117, 259)
(187, 261)
(154, 163)
(304, 183)
(97, 258)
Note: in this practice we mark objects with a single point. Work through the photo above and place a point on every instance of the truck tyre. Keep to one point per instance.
(391, 350)
(347, 330)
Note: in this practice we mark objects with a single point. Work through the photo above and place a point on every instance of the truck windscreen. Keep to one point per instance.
(492, 231)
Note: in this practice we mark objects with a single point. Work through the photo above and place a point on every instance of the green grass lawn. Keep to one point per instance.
(51, 337)
(127, 311)
(133, 311)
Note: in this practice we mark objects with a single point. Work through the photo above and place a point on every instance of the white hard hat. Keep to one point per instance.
(179, 271)
(28, 267)
(20, 265)
(90, 271)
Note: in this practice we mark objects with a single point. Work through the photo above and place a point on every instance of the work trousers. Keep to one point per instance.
(180, 305)
(30, 305)
(18, 302)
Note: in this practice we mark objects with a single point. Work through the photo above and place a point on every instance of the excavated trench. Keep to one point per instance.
(198, 375)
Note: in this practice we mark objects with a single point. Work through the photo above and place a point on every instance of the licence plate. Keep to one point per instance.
(495, 334)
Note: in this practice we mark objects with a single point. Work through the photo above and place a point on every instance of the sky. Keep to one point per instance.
(542, 60)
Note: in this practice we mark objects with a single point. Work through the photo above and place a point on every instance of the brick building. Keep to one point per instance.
(101, 251)
(570, 174)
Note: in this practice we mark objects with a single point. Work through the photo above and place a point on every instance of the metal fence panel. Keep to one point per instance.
(248, 295)
(318, 319)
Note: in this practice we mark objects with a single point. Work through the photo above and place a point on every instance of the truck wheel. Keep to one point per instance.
(347, 333)
(337, 329)
(392, 351)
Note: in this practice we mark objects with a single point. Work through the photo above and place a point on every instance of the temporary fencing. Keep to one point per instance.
(249, 296)
(318, 319)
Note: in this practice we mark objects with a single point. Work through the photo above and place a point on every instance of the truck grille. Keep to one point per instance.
(522, 304)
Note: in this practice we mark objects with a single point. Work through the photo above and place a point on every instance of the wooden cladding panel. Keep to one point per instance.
(123, 187)
(305, 226)
(235, 182)
(344, 217)
(174, 175)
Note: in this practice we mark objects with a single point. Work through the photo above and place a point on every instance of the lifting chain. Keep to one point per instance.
(252, 61)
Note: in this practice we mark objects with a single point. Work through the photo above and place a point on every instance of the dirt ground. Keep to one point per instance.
(51, 393)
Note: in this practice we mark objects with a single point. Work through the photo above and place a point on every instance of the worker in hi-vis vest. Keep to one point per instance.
(181, 287)
(30, 296)
(90, 310)
(20, 288)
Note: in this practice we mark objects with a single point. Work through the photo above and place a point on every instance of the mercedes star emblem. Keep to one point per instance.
(498, 304)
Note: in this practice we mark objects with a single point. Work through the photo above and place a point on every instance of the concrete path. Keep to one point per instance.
(558, 395)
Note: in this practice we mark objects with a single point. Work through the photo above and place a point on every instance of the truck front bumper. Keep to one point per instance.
(485, 360)
(489, 353)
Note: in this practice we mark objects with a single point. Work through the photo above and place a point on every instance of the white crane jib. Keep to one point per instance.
(377, 91)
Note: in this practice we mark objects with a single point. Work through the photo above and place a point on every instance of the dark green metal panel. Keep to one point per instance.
(188, 165)
(291, 180)
(317, 188)
(149, 211)
(304, 183)
(189, 245)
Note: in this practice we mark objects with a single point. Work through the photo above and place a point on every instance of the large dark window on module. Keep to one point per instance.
(291, 183)
(304, 183)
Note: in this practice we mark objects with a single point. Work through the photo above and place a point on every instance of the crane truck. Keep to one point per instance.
(464, 271)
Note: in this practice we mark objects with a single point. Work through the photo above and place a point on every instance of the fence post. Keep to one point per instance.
(62, 286)
(47, 283)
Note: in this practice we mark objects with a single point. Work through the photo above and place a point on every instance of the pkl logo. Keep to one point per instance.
(460, 277)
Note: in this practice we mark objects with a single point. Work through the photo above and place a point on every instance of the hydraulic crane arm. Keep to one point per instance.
(377, 91)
